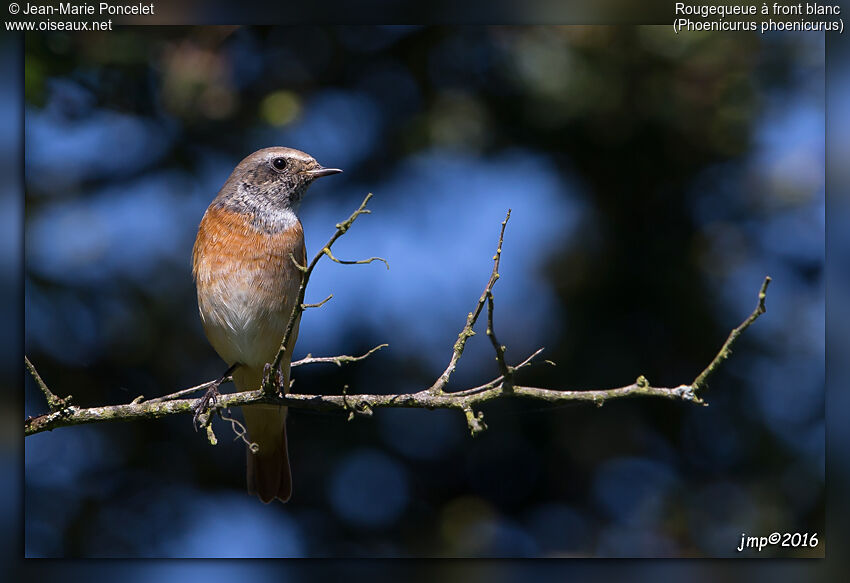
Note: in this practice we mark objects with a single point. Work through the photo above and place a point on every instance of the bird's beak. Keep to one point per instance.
(320, 171)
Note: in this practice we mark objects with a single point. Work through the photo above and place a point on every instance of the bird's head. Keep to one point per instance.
(272, 179)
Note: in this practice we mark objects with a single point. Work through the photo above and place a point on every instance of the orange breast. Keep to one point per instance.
(247, 284)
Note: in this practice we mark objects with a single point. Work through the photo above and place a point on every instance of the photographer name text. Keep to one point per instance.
(99, 9)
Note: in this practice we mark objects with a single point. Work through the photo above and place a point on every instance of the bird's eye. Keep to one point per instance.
(279, 163)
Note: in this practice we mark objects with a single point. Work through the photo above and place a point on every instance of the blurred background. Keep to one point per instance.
(654, 180)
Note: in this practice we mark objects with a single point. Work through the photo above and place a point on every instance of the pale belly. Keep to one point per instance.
(244, 322)
(247, 286)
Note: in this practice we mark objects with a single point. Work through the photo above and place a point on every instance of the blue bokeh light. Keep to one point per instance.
(369, 489)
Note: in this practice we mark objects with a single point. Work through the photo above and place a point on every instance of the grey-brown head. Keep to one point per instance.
(270, 183)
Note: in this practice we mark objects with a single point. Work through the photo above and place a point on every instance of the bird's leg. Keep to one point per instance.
(211, 396)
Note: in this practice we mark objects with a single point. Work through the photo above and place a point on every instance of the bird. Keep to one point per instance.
(247, 284)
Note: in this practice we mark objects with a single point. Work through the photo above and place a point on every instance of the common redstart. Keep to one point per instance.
(247, 287)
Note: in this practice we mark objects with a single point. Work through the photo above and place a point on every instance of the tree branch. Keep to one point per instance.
(183, 393)
(53, 402)
(319, 304)
(726, 349)
(506, 370)
(467, 332)
(467, 401)
(271, 384)
(337, 360)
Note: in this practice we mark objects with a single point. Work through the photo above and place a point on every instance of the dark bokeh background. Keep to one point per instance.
(654, 180)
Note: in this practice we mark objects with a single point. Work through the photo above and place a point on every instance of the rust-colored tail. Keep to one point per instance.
(269, 476)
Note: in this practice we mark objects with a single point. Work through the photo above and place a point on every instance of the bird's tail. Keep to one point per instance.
(269, 476)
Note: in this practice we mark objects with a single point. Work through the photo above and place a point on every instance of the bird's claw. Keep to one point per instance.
(209, 399)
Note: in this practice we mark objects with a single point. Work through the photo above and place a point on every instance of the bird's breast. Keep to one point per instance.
(247, 283)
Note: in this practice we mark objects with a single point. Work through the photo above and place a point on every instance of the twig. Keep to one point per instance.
(185, 392)
(53, 402)
(467, 332)
(318, 305)
(498, 381)
(330, 255)
(725, 350)
(240, 431)
(506, 370)
(341, 229)
(337, 360)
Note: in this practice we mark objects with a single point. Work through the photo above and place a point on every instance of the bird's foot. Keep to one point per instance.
(211, 396)
(204, 403)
